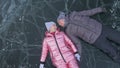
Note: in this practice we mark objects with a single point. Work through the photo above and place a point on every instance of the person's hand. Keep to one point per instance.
(77, 56)
(41, 66)
(104, 10)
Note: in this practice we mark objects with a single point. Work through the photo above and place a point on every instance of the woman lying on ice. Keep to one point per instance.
(63, 52)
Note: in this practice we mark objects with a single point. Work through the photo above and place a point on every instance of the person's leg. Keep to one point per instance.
(105, 45)
(114, 36)
(60, 64)
(72, 64)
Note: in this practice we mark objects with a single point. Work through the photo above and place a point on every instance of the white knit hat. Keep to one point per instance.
(49, 24)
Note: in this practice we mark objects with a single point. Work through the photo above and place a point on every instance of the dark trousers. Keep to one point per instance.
(104, 41)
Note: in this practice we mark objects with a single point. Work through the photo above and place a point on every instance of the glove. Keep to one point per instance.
(104, 10)
(41, 66)
(77, 56)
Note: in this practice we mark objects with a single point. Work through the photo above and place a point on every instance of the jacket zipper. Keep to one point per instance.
(59, 49)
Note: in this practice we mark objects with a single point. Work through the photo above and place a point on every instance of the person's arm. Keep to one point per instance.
(76, 41)
(44, 52)
(90, 12)
(68, 41)
(72, 47)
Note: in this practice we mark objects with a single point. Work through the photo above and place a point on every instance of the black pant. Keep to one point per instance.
(104, 43)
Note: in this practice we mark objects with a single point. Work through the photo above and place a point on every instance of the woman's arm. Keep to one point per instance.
(89, 12)
(68, 41)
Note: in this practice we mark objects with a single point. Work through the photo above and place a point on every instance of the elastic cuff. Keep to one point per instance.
(42, 62)
(75, 52)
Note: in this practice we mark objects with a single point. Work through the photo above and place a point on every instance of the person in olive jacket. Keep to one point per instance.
(80, 25)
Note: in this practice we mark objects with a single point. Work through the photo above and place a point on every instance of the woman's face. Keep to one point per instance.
(61, 22)
(53, 28)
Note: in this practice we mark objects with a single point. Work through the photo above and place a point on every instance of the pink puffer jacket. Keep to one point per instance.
(59, 46)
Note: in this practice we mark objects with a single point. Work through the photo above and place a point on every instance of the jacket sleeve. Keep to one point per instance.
(89, 12)
(44, 51)
(76, 41)
(68, 41)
